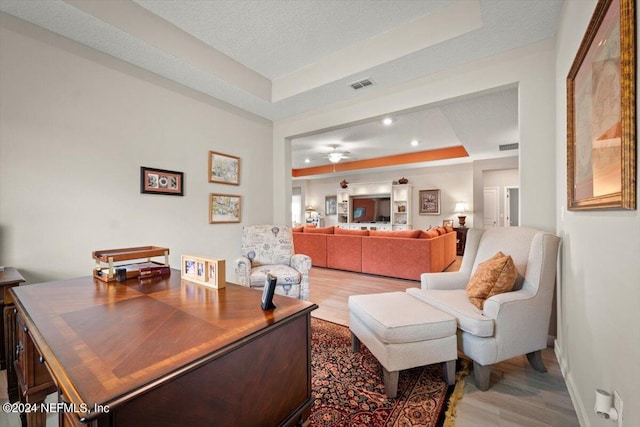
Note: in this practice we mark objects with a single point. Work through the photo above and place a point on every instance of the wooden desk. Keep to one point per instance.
(168, 352)
(9, 278)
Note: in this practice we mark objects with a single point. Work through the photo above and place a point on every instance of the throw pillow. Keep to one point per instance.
(348, 231)
(412, 234)
(429, 234)
(298, 229)
(494, 276)
(319, 230)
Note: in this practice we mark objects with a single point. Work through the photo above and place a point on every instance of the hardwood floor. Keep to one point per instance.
(519, 396)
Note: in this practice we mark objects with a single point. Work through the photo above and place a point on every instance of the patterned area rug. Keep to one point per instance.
(348, 389)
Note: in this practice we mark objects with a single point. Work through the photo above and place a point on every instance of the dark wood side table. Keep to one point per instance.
(9, 278)
(461, 239)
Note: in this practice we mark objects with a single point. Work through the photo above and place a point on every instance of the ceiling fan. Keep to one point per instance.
(335, 155)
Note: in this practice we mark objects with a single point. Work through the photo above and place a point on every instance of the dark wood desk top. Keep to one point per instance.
(107, 343)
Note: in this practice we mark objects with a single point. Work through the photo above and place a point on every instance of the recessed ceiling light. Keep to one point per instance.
(414, 143)
(307, 160)
(387, 121)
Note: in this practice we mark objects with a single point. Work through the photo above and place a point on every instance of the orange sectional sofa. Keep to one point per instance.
(401, 254)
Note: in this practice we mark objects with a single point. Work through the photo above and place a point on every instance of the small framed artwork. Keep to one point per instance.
(224, 208)
(330, 205)
(160, 181)
(224, 168)
(205, 271)
(429, 202)
(447, 223)
(601, 112)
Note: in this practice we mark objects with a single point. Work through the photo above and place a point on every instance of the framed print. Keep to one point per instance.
(205, 271)
(601, 134)
(224, 208)
(224, 168)
(447, 223)
(330, 205)
(160, 181)
(429, 202)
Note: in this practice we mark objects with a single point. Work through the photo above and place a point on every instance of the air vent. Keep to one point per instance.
(507, 147)
(361, 84)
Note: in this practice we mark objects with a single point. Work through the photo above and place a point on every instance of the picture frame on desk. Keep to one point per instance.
(447, 223)
(161, 181)
(205, 271)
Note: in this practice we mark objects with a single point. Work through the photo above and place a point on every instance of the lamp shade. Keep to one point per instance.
(461, 207)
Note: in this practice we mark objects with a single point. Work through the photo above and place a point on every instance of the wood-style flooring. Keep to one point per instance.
(519, 396)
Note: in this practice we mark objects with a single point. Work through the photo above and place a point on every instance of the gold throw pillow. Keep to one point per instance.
(494, 276)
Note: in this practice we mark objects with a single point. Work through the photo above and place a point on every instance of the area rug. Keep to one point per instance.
(348, 389)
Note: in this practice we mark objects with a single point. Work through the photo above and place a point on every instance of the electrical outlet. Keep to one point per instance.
(617, 403)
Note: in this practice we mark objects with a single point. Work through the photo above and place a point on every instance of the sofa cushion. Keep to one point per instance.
(494, 276)
(339, 230)
(298, 229)
(456, 303)
(441, 230)
(448, 229)
(284, 273)
(320, 230)
(429, 234)
(398, 233)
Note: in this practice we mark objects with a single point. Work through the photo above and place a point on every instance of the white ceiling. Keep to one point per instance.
(279, 58)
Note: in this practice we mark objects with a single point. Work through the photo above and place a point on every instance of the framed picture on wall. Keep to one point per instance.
(160, 181)
(601, 112)
(224, 168)
(330, 205)
(224, 208)
(429, 202)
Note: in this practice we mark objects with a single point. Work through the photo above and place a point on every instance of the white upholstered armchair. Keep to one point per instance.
(269, 249)
(512, 323)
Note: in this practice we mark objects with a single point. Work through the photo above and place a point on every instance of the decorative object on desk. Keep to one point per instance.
(121, 275)
(224, 208)
(106, 260)
(205, 271)
(601, 116)
(447, 223)
(403, 180)
(344, 183)
(330, 203)
(267, 292)
(429, 202)
(462, 208)
(224, 168)
(160, 181)
(150, 272)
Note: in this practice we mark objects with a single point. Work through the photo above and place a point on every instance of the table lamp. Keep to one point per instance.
(461, 208)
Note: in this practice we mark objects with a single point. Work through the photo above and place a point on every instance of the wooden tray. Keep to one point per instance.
(111, 256)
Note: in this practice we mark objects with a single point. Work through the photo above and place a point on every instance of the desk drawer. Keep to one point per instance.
(31, 371)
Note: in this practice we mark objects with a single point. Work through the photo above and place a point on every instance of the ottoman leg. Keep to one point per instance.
(390, 382)
(449, 371)
(355, 343)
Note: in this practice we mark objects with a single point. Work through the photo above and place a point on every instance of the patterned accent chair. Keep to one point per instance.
(269, 249)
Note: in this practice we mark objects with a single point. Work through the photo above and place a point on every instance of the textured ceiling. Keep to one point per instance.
(279, 58)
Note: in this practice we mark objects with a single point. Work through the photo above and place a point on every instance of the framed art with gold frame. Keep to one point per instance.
(601, 129)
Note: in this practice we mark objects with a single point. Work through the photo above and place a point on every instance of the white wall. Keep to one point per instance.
(531, 69)
(454, 182)
(75, 127)
(599, 292)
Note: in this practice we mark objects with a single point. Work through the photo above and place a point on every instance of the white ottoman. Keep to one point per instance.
(403, 332)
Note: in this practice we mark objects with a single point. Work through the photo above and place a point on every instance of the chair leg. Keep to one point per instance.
(355, 343)
(535, 360)
(390, 382)
(482, 374)
(449, 372)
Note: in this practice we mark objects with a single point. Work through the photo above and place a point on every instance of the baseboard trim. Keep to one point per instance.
(581, 412)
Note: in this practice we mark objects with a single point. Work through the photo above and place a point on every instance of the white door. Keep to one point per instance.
(491, 207)
(511, 206)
